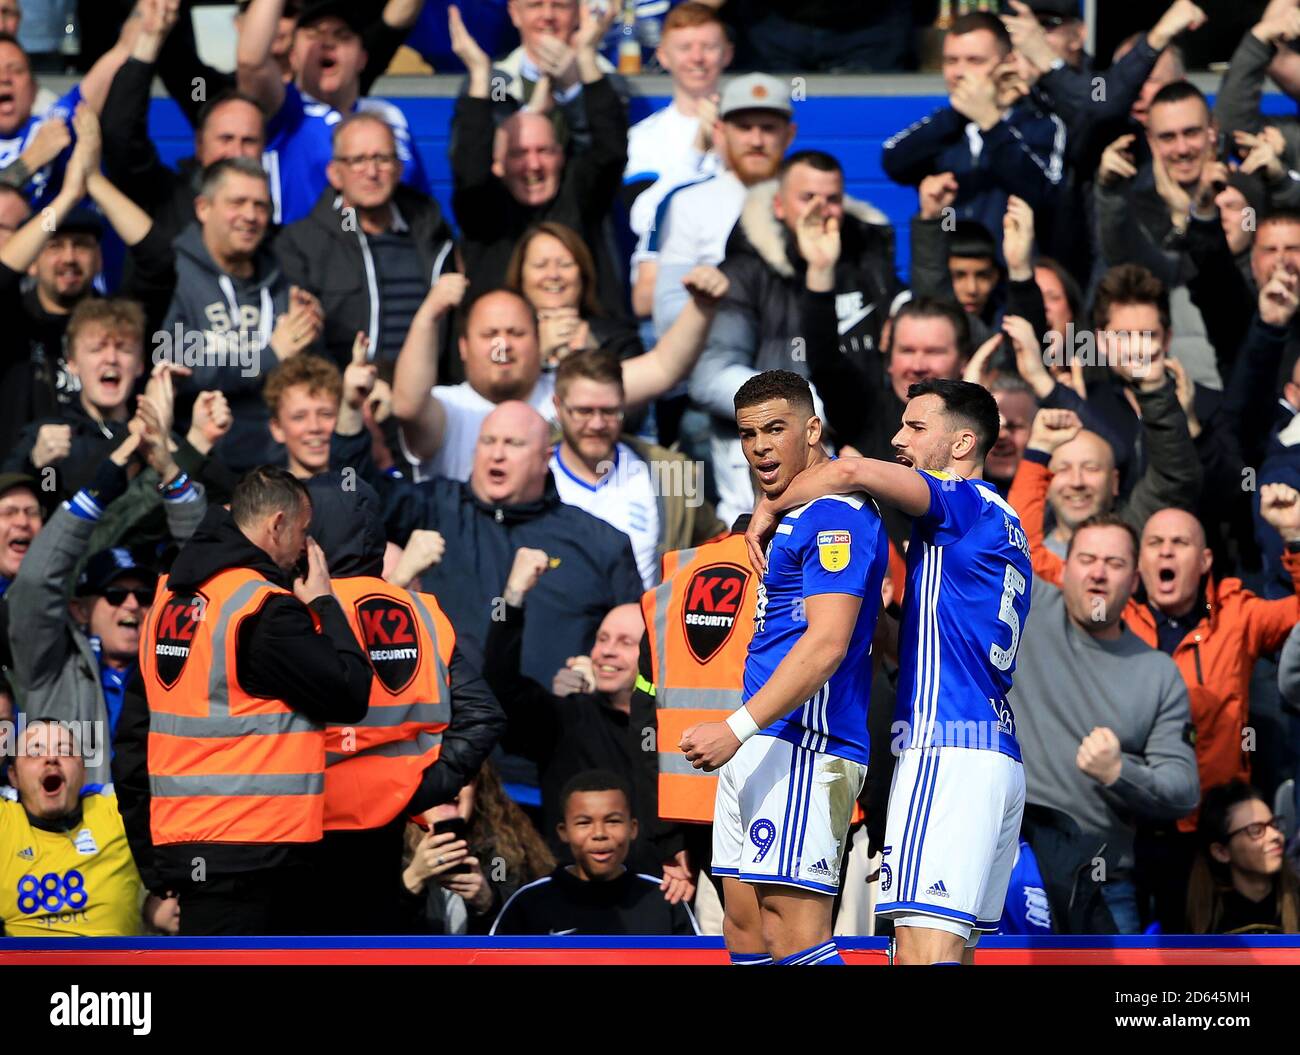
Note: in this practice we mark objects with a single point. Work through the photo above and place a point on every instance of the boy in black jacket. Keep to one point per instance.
(596, 894)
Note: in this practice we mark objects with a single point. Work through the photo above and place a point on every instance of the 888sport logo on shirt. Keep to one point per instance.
(52, 895)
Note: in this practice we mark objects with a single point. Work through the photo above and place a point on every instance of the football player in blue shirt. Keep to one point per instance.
(958, 792)
(794, 755)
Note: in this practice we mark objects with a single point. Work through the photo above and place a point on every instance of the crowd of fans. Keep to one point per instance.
(520, 413)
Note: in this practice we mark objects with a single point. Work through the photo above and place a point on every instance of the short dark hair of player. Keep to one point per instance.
(601, 365)
(977, 20)
(1099, 520)
(595, 780)
(776, 384)
(213, 105)
(1178, 92)
(217, 173)
(266, 490)
(817, 159)
(934, 308)
(971, 404)
(971, 239)
(1128, 284)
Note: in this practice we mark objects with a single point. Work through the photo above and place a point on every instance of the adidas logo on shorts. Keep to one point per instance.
(822, 869)
(938, 890)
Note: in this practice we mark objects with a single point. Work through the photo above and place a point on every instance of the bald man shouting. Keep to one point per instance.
(508, 179)
(509, 502)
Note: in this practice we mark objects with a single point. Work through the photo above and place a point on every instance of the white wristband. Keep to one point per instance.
(742, 724)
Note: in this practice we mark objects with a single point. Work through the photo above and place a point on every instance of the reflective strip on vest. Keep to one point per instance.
(674, 763)
(423, 743)
(698, 699)
(240, 784)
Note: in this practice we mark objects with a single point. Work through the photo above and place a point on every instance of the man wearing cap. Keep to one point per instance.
(754, 129)
(72, 655)
(432, 722)
(327, 58)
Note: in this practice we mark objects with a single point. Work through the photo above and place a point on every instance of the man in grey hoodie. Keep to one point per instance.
(234, 316)
(1103, 722)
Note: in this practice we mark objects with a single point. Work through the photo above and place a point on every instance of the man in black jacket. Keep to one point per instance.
(762, 323)
(321, 675)
(359, 891)
(371, 248)
(585, 722)
(509, 178)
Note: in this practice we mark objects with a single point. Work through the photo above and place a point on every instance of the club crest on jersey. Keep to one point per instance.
(388, 629)
(713, 598)
(177, 623)
(833, 549)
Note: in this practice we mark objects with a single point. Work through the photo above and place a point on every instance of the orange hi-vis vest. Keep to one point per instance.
(374, 767)
(224, 766)
(700, 619)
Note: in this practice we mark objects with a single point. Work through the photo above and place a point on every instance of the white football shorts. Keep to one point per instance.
(951, 837)
(782, 814)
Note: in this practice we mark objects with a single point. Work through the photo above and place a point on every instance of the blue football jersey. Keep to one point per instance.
(835, 544)
(967, 599)
(299, 145)
(46, 182)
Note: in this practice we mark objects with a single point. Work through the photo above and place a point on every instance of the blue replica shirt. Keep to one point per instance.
(835, 544)
(45, 182)
(299, 146)
(1027, 910)
(968, 580)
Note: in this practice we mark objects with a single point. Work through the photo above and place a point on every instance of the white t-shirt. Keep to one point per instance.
(624, 499)
(698, 220)
(466, 410)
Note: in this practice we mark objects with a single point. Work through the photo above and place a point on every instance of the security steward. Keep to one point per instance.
(432, 719)
(242, 664)
(699, 622)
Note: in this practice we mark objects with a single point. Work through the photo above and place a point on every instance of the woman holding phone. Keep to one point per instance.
(478, 851)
